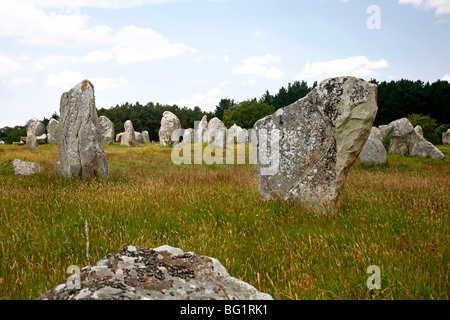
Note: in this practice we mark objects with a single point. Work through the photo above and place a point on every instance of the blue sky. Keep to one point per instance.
(195, 52)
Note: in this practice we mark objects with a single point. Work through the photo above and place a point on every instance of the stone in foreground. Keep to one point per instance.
(80, 143)
(313, 143)
(24, 168)
(164, 273)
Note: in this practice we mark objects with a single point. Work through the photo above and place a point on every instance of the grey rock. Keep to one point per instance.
(236, 135)
(23, 139)
(163, 273)
(128, 137)
(313, 143)
(106, 127)
(32, 142)
(52, 131)
(170, 125)
(406, 141)
(419, 130)
(139, 138)
(19, 143)
(189, 136)
(42, 139)
(373, 151)
(446, 137)
(80, 143)
(24, 168)
(119, 137)
(145, 137)
(201, 130)
(216, 133)
(2, 142)
(34, 126)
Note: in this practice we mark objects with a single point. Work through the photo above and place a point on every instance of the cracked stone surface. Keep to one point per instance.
(163, 273)
(80, 143)
(320, 137)
(373, 151)
(169, 124)
(107, 130)
(52, 131)
(24, 168)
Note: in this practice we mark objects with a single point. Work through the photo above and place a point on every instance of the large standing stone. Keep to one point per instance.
(80, 143)
(32, 143)
(128, 137)
(169, 124)
(201, 130)
(373, 151)
(145, 137)
(107, 130)
(163, 273)
(313, 142)
(406, 141)
(217, 133)
(34, 126)
(139, 138)
(52, 131)
(446, 137)
(24, 168)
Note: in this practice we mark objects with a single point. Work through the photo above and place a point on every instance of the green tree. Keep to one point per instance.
(224, 105)
(246, 113)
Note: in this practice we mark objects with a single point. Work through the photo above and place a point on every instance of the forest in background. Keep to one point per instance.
(423, 103)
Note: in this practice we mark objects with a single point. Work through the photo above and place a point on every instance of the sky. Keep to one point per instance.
(196, 52)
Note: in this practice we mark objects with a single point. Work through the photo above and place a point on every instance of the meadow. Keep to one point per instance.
(395, 216)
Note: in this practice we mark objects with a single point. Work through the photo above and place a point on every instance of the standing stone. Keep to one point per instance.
(52, 131)
(107, 130)
(145, 137)
(32, 142)
(236, 135)
(201, 130)
(139, 138)
(217, 133)
(34, 126)
(169, 124)
(446, 137)
(80, 143)
(189, 136)
(163, 273)
(119, 137)
(128, 137)
(313, 142)
(24, 168)
(419, 130)
(406, 141)
(373, 151)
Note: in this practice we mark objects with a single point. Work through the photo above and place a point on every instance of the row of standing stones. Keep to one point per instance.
(320, 137)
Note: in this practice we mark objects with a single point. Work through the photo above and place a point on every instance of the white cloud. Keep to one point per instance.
(68, 79)
(205, 101)
(358, 66)
(446, 78)
(101, 4)
(256, 66)
(8, 65)
(134, 44)
(440, 6)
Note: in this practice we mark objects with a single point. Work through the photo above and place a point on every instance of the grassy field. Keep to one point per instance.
(395, 216)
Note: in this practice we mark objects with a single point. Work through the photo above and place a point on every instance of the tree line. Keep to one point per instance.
(424, 103)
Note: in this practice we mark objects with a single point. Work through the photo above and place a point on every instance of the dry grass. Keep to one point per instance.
(394, 216)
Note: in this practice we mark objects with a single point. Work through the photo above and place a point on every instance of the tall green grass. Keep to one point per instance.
(395, 216)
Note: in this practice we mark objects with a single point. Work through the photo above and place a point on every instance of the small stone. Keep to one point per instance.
(24, 168)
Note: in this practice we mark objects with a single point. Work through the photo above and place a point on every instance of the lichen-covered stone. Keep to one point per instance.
(106, 127)
(320, 137)
(164, 273)
(42, 139)
(169, 124)
(145, 137)
(128, 137)
(24, 168)
(236, 135)
(52, 131)
(80, 144)
(139, 138)
(216, 133)
(189, 136)
(201, 130)
(32, 142)
(34, 126)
